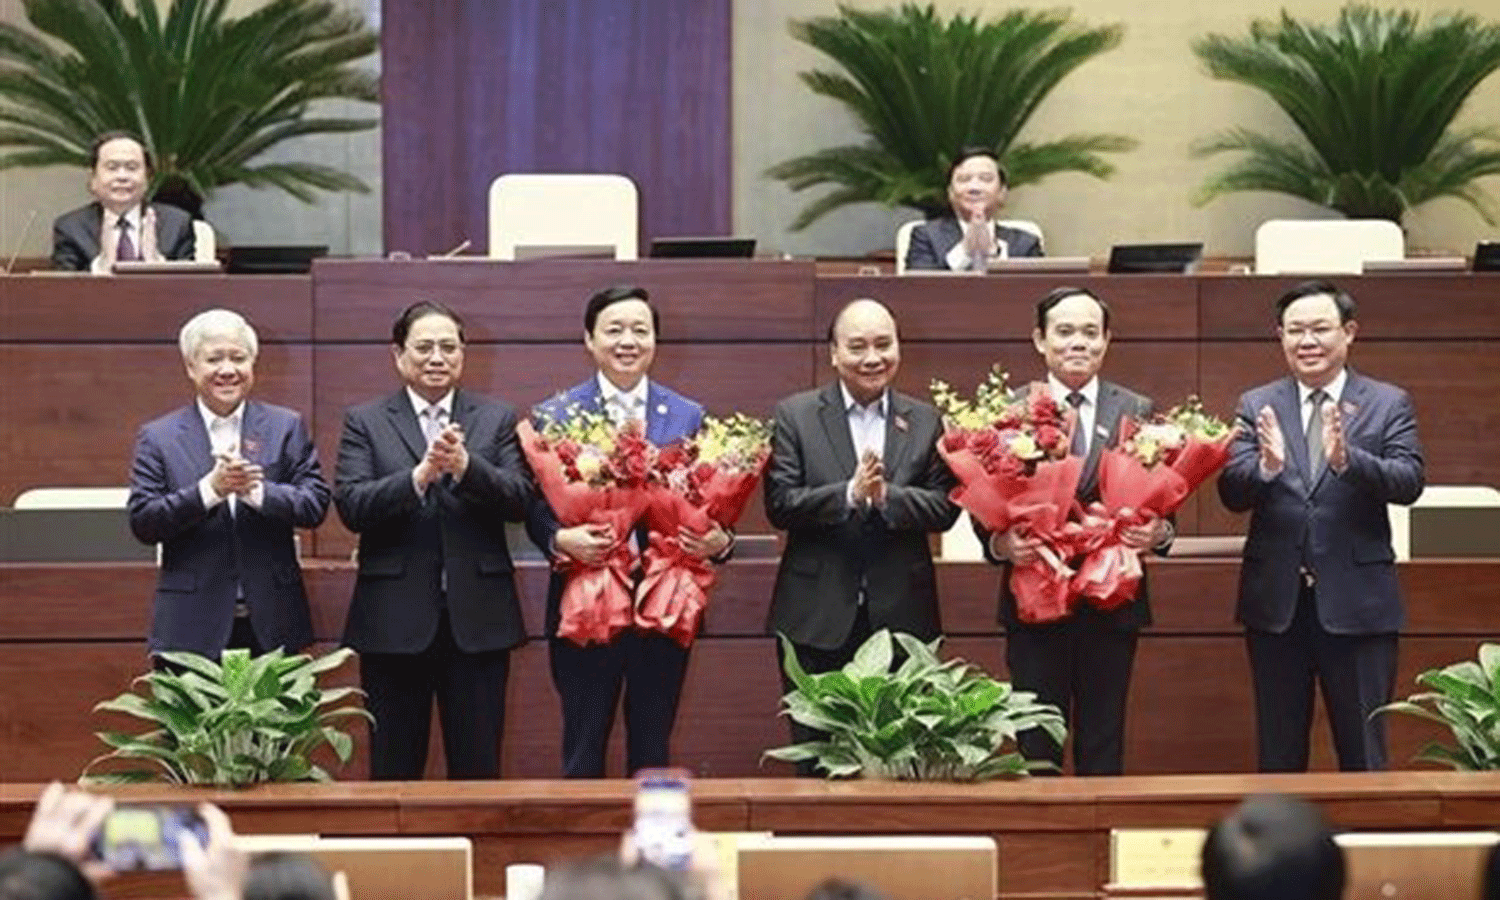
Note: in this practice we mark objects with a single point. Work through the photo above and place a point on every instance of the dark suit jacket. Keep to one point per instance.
(1342, 516)
(669, 417)
(931, 241)
(205, 551)
(830, 549)
(1115, 402)
(75, 235)
(408, 542)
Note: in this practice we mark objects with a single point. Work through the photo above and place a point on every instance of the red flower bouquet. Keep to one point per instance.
(1009, 453)
(695, 482)
(591, 471)
(1154, 469)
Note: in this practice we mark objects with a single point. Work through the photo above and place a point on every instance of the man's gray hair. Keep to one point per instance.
(214, 322)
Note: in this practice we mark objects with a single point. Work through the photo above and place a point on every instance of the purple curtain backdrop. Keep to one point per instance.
(476, 88)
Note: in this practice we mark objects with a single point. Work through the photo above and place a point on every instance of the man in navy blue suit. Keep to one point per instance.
(221, 484)
(620, 326)
(1318, 457)
(969, 236)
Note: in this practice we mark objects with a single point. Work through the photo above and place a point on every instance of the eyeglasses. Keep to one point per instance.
(446, 348)
(1320, 332)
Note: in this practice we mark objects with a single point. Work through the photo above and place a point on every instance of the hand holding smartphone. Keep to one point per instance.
(663, 833)
(147, 838)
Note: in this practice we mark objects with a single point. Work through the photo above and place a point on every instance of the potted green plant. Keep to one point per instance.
(926, 720)
(208, 93)
(237, 722)
(1465, 698)
(922, 88)
(1373, 97)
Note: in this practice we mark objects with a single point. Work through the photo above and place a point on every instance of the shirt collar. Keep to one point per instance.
(419, 403)
(237, 415)
(608, 392)
(1061, 391)
(1334, 388)
(879, 404)
(131, 215)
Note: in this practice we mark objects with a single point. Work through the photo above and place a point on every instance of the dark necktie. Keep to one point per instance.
(1315, 458)
(125, 249)
(1080, 434)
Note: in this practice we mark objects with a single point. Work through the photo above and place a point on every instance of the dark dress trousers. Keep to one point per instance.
(931, 241)
(211, 556)
(75, 235)
(846, 573)
(1082, 664)
(1318, 592)
(650, 666)
(434, 611)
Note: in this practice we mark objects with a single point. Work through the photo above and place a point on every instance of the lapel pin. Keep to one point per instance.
(661, 409)
(250, 445)
(1349, 408)
(900, 422)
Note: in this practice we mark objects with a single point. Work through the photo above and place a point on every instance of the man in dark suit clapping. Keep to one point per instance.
(119, 225)
(428, 478)
(1318, 457)
(856, 481)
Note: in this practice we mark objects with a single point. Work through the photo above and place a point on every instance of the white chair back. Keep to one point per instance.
(73, 498)
(570, 213)
(205, 242)
(903, 236)
(1325, 246)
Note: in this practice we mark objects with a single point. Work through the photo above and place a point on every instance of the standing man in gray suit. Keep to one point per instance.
(1318, 456)
(856, 481)
(969, 237)
(1082, 663)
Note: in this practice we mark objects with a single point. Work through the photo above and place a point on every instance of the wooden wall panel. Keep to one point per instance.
(71, 411)
(475, 88)
(1405, 307)
(713, 300)
(963, 307)
(149, 308)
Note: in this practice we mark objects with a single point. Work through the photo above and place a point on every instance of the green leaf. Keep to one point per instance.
(921, 88)
(1373, 97)
(210, 94)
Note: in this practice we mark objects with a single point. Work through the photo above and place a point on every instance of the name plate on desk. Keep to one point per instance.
(1155, 857)
(1024, 264)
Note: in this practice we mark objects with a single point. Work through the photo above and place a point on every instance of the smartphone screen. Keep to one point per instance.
(663, 830)
(136, 838)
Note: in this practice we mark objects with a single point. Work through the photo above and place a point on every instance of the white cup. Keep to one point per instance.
(523, 881)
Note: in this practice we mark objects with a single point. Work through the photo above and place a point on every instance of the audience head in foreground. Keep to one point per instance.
(287, 876)
(25, 875)
(1273, 848)
(608, 878)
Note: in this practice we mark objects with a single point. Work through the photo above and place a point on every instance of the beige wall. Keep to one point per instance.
(347, 223)
(1150, 88)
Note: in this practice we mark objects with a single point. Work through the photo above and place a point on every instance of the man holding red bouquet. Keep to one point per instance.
(1081, 663)
(620, 326)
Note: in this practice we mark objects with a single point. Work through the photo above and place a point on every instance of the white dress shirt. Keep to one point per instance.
(419, 405)
(622, 406)
(1088, 410)
(866, 428)
(224, 437)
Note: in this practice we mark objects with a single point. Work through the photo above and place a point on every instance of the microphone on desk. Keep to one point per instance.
(456, 250)
(25, 231)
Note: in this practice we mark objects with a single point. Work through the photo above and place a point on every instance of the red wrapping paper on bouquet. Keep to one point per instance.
(597, 601)
(673, 595)
(1004, 497)
(1131, 493)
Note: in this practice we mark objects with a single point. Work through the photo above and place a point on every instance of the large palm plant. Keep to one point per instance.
(922, 88)
(208, 93)
(1374, 96)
